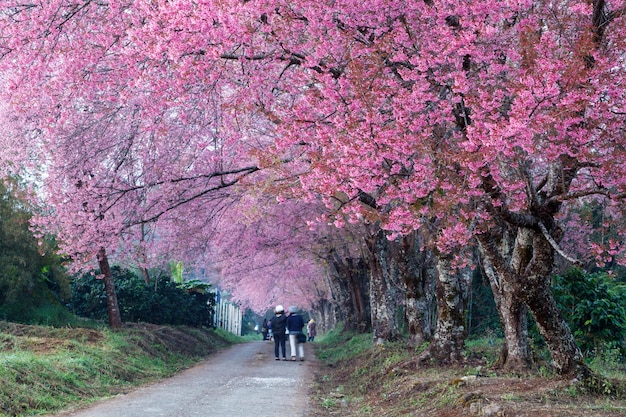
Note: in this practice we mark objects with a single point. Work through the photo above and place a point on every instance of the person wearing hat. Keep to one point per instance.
(278, 323)
(295, 323)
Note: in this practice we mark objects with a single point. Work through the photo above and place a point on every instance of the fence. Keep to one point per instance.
(228, 316)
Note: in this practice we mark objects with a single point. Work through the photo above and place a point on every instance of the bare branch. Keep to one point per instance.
(556, 247)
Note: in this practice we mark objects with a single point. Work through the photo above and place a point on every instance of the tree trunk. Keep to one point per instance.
(348, 281)
(324, 315)
(525, 279)
(515, 355)
(115, 320)
(536, 243)
(452, 296)
(358, 285)
(383, 300)
(142, 255)
(417, 272)
(146, 275)
(536, 290)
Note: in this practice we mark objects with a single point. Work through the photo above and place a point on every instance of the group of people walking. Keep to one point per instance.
(290, 325)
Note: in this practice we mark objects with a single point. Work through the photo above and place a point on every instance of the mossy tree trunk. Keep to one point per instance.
(416, 268)
(452, 290)
(383, 289)
(535, 289)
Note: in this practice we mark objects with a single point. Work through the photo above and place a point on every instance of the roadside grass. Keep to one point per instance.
(232, 338)
(357, 378)
(610, 364)
(47, 314)
(338, 345)
(44, 370)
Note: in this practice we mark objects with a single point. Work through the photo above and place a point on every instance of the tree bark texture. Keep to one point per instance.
(146, 275)
(527, 272)
(384, 288)
(516, 354)
(115, 319)
(324, 315)
(416, 267)
(452, 291)
(536, 291)
(349, 284)
(142, 255)
(524, 279)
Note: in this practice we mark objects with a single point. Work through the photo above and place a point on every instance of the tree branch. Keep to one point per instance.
(555, 245)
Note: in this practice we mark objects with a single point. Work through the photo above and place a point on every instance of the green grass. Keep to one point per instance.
(48, 314)
(359, 378)
(43, 369)
(232, 338)
(338, 345)
(609, 363)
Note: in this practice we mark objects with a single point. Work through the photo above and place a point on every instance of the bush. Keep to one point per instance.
(165, 302)
(594, 306)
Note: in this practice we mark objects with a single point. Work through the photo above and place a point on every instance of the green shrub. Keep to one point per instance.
(163, 302)
(595, 308)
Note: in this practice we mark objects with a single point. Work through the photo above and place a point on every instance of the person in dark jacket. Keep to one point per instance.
(295, 323)
(278, 331)
(264, 329)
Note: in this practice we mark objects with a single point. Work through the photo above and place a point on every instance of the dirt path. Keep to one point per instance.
(241, 381)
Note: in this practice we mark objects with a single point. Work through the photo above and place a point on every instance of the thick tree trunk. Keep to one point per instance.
(115, 319)
(452, 296)
(383, 300)
(515, 355)
(324, 315)
(420, 308)
(536, 291)
(339, 296)
(524, 278)
(358, 285)
(417, 272)
(536, 244)
(348, 281)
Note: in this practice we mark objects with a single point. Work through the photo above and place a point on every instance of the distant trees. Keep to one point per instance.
(31, 274)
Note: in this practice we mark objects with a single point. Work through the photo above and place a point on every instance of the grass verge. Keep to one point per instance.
(45, 369)
(357, 378)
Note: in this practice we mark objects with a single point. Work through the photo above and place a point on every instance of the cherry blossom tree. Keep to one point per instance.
(265, 254)
(490, 116)
(482, 120)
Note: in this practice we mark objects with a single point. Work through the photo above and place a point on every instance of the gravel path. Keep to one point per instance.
(241, 381)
